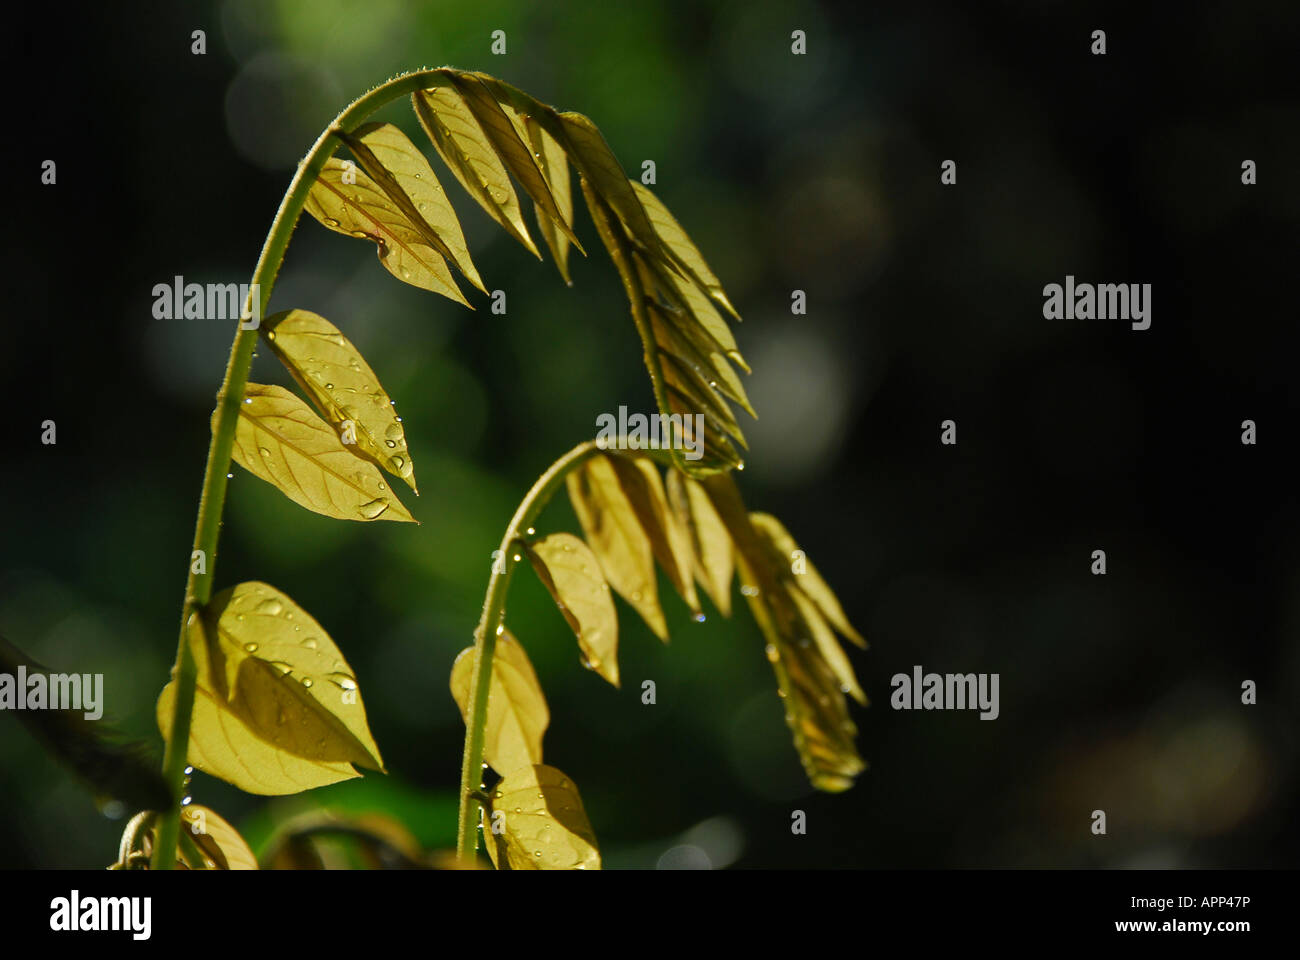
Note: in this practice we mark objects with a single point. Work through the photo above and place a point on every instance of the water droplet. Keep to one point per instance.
(331, 222)
(187, 801)
(342, 680)
(383, 486)
(497, 794)
(772, 653)
(248, 399)
(188, 771)
(530, 531)
(230, 476)
(373, 509)
(699, 618)
(500, 629)
(309, 643)
(306, 681)
(270, 608)
(741, 465)
(391, 443)
(399, 463)
(281, 667)
(517, 558)
(250, 647)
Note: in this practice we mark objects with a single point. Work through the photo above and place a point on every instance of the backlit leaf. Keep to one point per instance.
(714, 559)
(683, 249)
(809, 581)
(219, 844)
(813, 693)
(500, 124)
(543, 823)
(470, 155)
(640, 480)
(571, 573)
(554, 165)
(281, 440)
(616, 537)
(517, 714)
(277, 709)
(397, 166)
(342, 385)
(592, 156)
(363, 210)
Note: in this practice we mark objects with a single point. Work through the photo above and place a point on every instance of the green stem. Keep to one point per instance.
(198, 587)
(492, 621)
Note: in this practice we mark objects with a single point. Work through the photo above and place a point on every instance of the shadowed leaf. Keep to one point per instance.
(280, 439)
(615, 535)
(639, 478)
(122, 770)
(544, 825)
(277, 709)
(714, 559)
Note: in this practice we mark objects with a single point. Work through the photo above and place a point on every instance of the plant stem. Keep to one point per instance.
(493, 620)
(198, 586)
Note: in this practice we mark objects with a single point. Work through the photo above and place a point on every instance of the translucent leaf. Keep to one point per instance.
(542, 821)
(499, 122)
(362, 209)
(592, 156)
(714, 564)
(554, 165)
(398, 167)
(470, 155)
(219, 844)
(615, 535)
(280, 439)
(810, 581)
(813, 693)
(342, 385)
(674, 396)
(683, 249)
(572, 574)
(640, 480)
(517, 715)
(277, 709)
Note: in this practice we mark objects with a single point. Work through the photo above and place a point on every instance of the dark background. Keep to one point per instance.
(818, 173)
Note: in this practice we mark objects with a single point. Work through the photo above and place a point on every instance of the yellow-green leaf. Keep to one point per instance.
(499, 123)
(683, 249)
(554, 165)
(572, 574)
(280, 439)
(277, 709)
(592, 156)
(809, 580)
(517, 715)
(218, 843)
(615, 535)
(362, 209)
(714, 564)
(813, 693)
(469, 154)
(542, 821)
(640, 480)
(397, 166)
(343, 387)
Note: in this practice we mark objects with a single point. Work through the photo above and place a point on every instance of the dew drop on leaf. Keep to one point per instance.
(373, 509)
